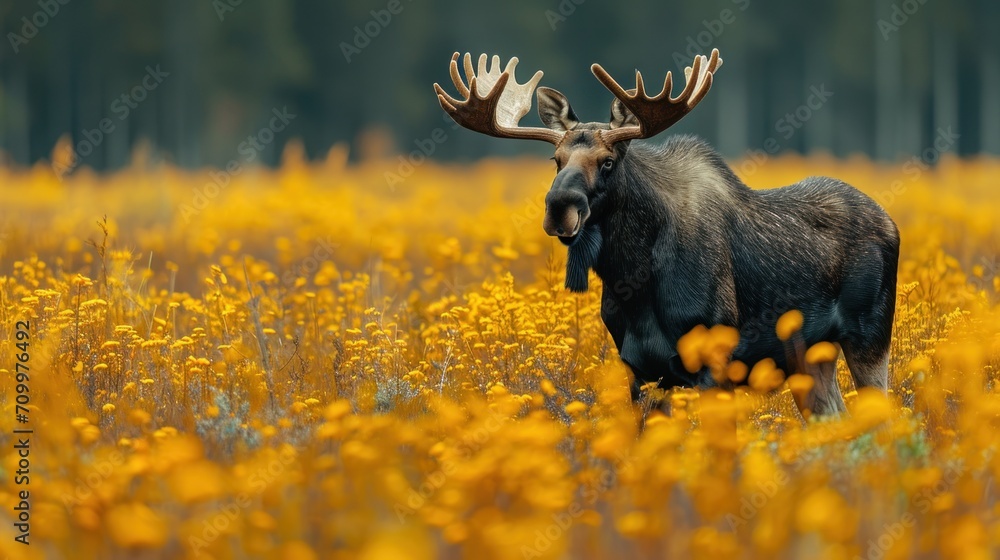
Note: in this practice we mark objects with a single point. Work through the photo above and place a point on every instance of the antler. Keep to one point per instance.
(498, 111)
(656, 114)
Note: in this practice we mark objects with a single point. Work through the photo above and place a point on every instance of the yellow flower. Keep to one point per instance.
(576, 407)
(789, 323)
(261, 520)
(505, 253)
(89, 434)
(134, 525)
(337, 409)
(632, 524)
(198, 481)
(296, 550)
(689, 347)
(871, 408)
(818, 510)
(548, 389)
(736, 371)
(822, 352)
(765, 376)
(139, 417)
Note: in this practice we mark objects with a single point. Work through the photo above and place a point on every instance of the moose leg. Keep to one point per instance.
(824, 398)
(869, 366)
(866, 344)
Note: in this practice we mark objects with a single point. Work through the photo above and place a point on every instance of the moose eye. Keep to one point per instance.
(607, 165)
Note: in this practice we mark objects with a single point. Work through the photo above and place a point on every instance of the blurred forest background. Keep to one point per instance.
(359, 73)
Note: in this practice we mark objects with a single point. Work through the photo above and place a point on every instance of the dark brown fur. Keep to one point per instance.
(678, 240)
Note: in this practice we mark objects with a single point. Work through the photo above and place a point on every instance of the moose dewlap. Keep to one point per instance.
(679, 241)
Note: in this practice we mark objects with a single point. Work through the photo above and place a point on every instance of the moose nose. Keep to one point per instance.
(563, 224)
(565, 211)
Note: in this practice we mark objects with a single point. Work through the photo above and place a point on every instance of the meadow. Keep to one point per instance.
(320, 361)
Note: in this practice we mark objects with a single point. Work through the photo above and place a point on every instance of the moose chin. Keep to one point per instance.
(689, 241)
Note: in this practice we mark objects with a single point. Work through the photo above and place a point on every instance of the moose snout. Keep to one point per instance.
(565, 212)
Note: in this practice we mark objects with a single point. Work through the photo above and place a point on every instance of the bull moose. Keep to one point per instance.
(679, 240)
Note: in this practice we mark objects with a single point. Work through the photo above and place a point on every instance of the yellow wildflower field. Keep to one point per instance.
(317, 362)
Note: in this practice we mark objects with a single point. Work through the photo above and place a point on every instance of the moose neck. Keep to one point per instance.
(625, 223)
(660, 193)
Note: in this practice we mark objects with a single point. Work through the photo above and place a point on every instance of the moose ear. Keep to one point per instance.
(621, 116)
(554, 110)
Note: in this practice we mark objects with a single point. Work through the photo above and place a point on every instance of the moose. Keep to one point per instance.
(678, 240)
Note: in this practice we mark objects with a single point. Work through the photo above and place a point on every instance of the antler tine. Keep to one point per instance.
(470, 70)
(668, 85)
(689, 84)
(701, 92)
(456, 78)
(493, 102)
(715, 62)
(656, 114)
(705, 76)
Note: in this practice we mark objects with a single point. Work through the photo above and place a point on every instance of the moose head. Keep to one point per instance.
(586, 154)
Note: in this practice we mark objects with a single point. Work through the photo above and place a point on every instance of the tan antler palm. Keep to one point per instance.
(656, 114)
(504, 103)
